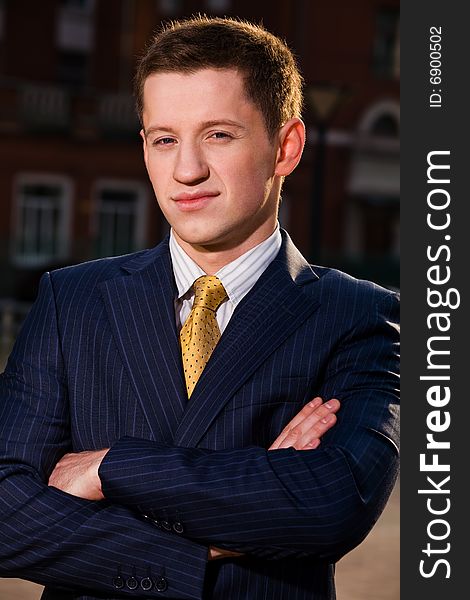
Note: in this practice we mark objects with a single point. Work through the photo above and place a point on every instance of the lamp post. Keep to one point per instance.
(323, 100)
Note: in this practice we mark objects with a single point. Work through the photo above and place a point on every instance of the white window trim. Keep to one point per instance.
(384, 108)
(63, 247)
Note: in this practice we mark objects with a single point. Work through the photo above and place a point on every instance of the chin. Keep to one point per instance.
(201, 237)
(192, 240)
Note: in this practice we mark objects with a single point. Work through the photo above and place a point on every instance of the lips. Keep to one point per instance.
(194, 200)
(196, 195)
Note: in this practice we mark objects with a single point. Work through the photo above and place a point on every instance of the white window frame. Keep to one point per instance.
(123, 185)
(63, 229)
(383, 108)
(75, 27)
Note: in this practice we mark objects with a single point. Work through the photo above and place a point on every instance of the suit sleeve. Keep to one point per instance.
(51, 537)
(285, 503)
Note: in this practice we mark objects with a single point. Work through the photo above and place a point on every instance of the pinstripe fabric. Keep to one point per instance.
(97, 364)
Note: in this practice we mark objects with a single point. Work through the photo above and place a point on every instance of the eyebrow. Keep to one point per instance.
(203, 125)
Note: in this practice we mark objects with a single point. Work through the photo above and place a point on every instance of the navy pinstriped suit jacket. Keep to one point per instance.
(97, 364)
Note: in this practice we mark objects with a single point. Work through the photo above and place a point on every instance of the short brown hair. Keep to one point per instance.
(272, 79)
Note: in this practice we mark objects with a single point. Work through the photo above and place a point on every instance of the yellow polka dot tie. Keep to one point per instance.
(200, 333)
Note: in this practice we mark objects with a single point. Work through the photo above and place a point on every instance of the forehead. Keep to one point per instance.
(203, 95)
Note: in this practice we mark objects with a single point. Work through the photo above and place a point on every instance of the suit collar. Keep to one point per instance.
(276, 306)
(160, 255)
(140, 307)
(297, 267)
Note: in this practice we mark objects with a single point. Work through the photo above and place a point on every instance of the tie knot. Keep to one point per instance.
(209, 292)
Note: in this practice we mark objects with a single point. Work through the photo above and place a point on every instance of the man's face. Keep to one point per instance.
(210, 160)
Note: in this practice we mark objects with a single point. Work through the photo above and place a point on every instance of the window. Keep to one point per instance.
(75, 32)
(385, 126)
(120, 218)
(75, 26)
(373, 213)
(381, 120)
(42, 220)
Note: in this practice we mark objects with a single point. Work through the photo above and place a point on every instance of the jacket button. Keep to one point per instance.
(118, 582)
(132, 583)
(178, 527)
(146, 584)
(157, 523)
(166, 526)
(161, 584)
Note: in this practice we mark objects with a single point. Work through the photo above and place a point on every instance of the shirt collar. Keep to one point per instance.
(185, 270)
(237, 277)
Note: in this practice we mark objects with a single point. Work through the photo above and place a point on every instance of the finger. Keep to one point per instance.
(299, 439)
(312, 438)
(291, 435)
(306, 411)
(313, 426)
(311, 445)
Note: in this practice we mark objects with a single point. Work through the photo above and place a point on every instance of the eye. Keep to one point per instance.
(164, 141)
(221, 135)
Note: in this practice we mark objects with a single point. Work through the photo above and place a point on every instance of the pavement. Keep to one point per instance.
(370, 572)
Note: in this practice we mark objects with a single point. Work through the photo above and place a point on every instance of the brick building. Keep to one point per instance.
(72, 180)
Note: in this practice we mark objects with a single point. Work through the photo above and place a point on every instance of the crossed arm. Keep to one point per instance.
(319, 503)
(78, 473)
(283, 503)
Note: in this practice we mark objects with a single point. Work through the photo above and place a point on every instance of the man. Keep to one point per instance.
(178, 463)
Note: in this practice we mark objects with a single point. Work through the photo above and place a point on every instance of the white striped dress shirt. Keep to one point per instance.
(237, 277)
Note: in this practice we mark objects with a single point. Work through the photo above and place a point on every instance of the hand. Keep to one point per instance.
(77, 474)
(302, 433)
(307, 427)
(217, 553)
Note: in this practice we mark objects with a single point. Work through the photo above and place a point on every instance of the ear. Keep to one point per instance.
(144, 147)
(291, 146)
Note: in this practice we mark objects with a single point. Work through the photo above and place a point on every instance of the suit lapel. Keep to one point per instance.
(140, 308)
(272, 311)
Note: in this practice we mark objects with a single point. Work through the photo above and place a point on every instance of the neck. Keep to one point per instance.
(213, 258)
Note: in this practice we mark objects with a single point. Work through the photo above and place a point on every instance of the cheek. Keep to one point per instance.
(158, 173)
(248, 174)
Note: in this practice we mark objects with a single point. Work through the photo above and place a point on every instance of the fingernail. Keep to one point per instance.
(326, 419)
(328, 405)
(313, 402)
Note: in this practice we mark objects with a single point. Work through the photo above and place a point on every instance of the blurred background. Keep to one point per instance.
(73, 186)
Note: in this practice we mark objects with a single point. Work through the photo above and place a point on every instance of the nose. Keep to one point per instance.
(191, 167)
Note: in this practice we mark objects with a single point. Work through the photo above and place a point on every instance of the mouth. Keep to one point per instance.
(194, 200)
